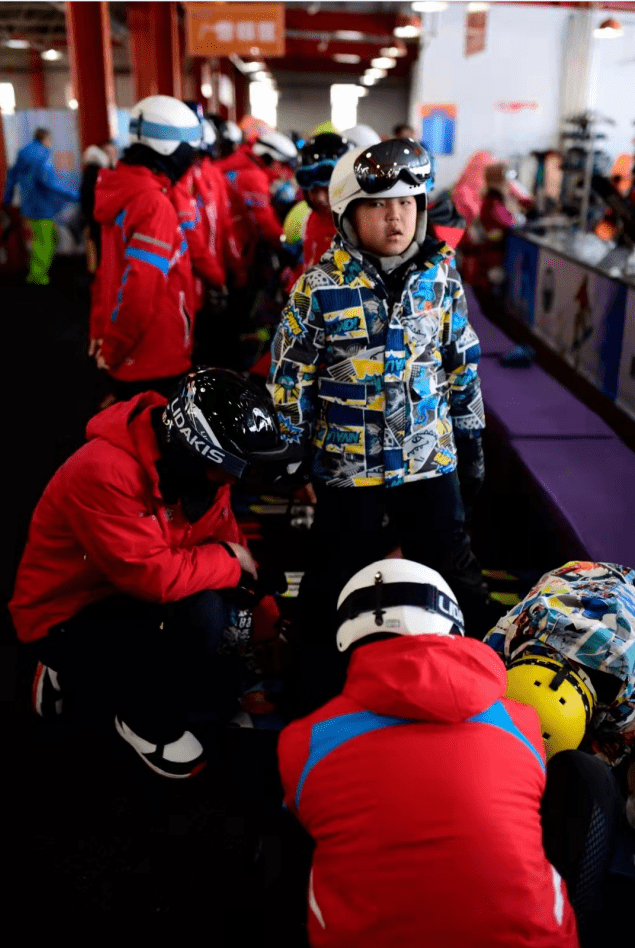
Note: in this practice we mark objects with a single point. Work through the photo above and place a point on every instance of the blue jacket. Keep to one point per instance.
(377, 389)
(42, 193)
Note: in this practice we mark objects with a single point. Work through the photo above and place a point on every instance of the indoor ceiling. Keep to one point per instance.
(320, 37)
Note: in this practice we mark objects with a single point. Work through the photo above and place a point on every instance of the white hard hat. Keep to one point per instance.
(163, 123)
(398, 597)
(277, 146)
(361, 135)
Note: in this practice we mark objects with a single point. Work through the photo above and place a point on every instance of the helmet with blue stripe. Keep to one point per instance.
(163, 123)
(318, 157)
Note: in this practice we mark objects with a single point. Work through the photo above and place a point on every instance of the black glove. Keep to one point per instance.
(470, 467)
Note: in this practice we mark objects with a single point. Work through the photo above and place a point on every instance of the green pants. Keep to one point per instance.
(45, 241)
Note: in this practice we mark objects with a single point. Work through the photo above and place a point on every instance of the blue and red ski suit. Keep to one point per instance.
(421, 786)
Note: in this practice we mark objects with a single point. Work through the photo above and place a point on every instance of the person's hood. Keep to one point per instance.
(432, 678)
(128, 426)
(117, 186)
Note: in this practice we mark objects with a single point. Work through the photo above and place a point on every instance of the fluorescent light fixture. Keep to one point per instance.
(609, 29)
(261, 76)
(376, 74)
(352, 36)
(51, 55)
(17, 44)
(407, 31)
(351, 58)
(73, 104)
(393, 51)
(206, 90)
(478, 7)
(383, 62)
(253, 67)
(361, 92)
(429, 6)
(368, 80)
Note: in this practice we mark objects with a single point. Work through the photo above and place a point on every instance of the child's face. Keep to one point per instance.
(386, 226)
(320, 199)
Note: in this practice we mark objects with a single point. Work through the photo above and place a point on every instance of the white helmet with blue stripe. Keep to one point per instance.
(163, 123)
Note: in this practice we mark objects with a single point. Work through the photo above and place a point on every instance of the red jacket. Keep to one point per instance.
(318, 234)
(222, 237)
(102, 528)
(253, 216)
(142, 298)
(196, 210)
(426, 821)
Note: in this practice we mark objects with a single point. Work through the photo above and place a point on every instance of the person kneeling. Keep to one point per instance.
(421, 784)
(134, 584)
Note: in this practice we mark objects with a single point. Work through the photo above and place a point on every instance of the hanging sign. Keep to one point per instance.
(438, 127)
(475, 32)
(242, 29)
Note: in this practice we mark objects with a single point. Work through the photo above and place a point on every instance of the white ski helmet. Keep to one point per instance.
(209, 137)
(276, 146)
(399, 167)
(362, 136)
(399, 597)
(162, 123)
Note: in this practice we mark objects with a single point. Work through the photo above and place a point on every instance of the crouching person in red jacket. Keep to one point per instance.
(421, 785)
(131, 581)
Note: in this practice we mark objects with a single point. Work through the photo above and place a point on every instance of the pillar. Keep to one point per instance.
(37, 82)
(90, 54)
(155, 48)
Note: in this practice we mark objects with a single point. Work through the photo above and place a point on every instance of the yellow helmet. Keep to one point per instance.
(563, 697)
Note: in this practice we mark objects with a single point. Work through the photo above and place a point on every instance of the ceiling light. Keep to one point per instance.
(351, 35)
(429, 6)
(361, 92)
(407, 27)
(261, 76)
(393, 51)
(478, 7)
(17, 44)
(367, 80)
(51, 55)
(206, 90)
(376, 73)
(609, 28)
(253, 67)
(351, 58)
(73, 104)
(383, 62)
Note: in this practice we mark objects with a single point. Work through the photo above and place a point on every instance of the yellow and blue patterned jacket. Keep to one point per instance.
(379, 388)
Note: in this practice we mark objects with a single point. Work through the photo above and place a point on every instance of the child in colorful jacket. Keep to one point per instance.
(374, 374)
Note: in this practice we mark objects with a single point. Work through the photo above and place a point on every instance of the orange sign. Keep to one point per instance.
(245, 29)
(475, 33)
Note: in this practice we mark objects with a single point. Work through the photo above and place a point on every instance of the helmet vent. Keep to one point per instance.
(562, 700)
(546, 736)
(537, 684)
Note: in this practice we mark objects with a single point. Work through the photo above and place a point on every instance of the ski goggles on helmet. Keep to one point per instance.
(381, 166)
(317, 175)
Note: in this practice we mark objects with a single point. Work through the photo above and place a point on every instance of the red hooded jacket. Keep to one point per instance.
(103, 528)
(421, 787)
(143, 289)
(253, 217)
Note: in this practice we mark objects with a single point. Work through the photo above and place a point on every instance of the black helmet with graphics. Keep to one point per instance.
(222, 418)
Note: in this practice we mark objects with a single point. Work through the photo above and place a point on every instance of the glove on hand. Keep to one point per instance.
(470, 467)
